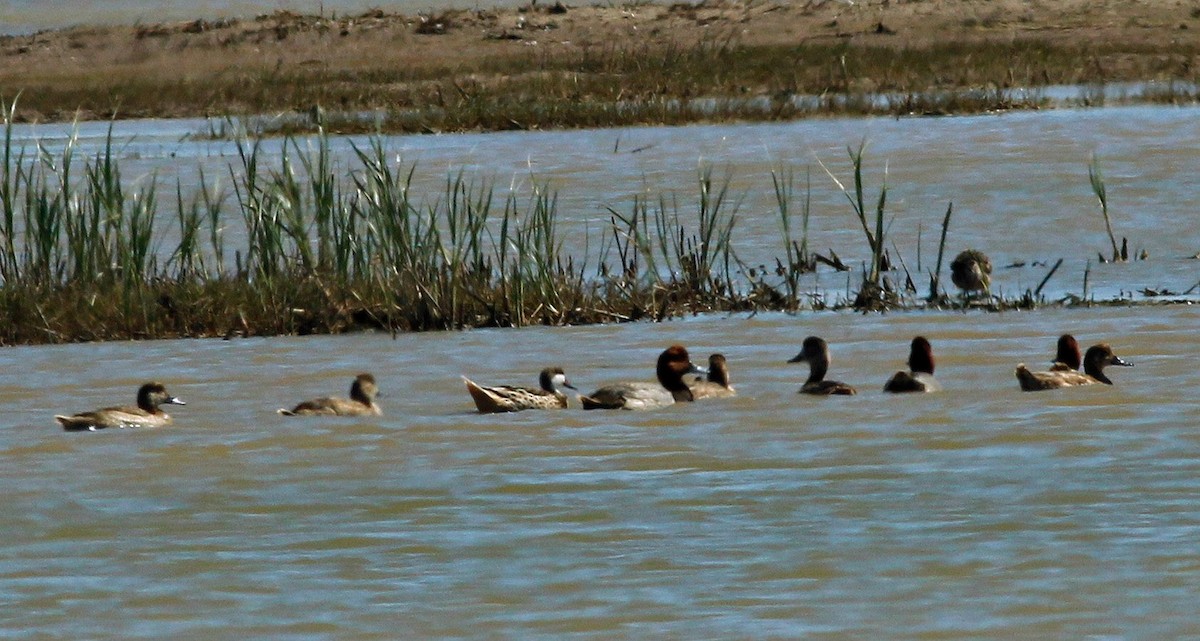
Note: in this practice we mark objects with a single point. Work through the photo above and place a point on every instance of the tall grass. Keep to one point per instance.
(330, 243)
(1096, 178)
(327, 247)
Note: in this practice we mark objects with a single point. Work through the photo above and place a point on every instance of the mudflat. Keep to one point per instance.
(484, 59)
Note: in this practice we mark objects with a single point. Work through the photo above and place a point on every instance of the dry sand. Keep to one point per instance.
(102, 58)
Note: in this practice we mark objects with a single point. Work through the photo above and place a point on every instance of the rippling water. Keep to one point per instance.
(1018, 183)
(980, 512)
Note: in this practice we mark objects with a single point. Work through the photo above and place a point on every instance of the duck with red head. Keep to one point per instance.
(1094, 361)
(673, 364)
(919, 378)
(1067, 358)
(815, 352)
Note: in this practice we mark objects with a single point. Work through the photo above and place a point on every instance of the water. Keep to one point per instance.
(1018, 183)
(979, 512)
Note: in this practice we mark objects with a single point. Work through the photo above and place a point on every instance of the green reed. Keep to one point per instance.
(874, 291)
(1096, 178)
(332, 243)
(799, 261)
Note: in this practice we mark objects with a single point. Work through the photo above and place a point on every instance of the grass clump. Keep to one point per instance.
(300, 244)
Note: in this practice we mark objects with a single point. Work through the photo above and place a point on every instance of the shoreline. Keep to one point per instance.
(566, 66)
(312, 258)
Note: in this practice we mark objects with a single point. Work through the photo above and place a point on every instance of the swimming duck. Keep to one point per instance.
(919, 378)
(360, 403)
(1094, 361)
(716, 383)
(146, 414)
(815, 352)
(508, 398)
(971, 271)
(1067, 357)
(673, 365)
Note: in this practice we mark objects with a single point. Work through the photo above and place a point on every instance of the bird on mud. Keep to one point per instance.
(971, 271)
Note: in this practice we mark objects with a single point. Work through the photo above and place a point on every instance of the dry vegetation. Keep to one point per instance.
(568, 66)
(309, 245)
(328, 249)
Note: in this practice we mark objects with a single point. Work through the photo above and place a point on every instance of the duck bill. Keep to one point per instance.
(174, 401)
(696, 369)
(1117, 361)
(798, 358)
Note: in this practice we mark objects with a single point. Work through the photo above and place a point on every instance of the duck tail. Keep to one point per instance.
(483, 400)
(75, 424)
(589, 403)
(1029, 382)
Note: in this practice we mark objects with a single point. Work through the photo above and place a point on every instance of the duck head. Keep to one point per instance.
(153, 394)
(673, 364)
(1068, 352)
(920, 356)
(815, 352)
(551, 378)
(364, 389)
(1097, 358)
(718, 370)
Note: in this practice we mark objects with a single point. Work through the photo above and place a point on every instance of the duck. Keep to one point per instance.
(919, 378)
(716, 383)
(361, 402)
(1067, 357)
(815, 352)
(673, 364)
(971, 271)
(146, 414)
(1094, 361)
(509, 398)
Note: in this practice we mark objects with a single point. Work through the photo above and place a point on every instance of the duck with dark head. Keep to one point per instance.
(361, 402)
(1094, 361)
(672, 366)
(1067, 356)
(815, 352)
(145, 414)
(716, 383)
(919, 378)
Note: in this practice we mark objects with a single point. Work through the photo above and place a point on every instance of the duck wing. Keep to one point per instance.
(629, 396)
(1053, 379)
(510, 398)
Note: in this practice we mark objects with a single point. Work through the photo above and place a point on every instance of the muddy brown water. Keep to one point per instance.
(979, 512)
